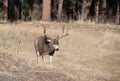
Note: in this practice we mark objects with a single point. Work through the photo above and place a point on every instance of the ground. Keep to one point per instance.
(90, 52)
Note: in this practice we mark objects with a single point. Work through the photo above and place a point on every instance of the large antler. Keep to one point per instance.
(64, 35)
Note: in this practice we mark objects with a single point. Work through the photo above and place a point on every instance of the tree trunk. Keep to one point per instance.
(5, 16)
(46, 14)
(119, 11)
(88, 7)
(83, 16)
(60, 10)
(96, 11)
(103, 11)
(16, 13)
(104, 4)
(21, 9)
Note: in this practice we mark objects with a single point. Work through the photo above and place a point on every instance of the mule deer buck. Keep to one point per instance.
(46, 45)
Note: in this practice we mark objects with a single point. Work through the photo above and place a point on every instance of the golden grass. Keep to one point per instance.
(89, 53)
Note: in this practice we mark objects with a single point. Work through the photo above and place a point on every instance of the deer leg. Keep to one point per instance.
(37, 57)
(51, 60)
(43, 58)
(37, 52)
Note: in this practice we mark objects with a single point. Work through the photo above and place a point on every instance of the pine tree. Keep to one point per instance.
(60, 9)
(119, 11)
(5, 16)
(46, 14)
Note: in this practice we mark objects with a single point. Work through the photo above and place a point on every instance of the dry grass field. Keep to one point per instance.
(90, 53)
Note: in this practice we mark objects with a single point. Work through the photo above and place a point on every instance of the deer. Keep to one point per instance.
(46, 45)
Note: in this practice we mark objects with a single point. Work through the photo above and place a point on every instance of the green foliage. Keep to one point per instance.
(78, 3)
(56, 4)
(1, 14)
(1, 1)
(25, 7)
(28, 5)
(71, 5)
(1, 8)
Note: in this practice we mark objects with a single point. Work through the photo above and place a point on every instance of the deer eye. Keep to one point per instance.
(48, 40)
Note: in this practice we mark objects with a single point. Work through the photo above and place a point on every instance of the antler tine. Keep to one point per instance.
(63, 28)
(44, 30)
(64, 35)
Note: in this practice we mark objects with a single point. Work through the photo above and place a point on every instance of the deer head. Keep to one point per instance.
(54, 41)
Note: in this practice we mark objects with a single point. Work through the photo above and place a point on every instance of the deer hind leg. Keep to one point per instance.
(36, 50)
(37, 56)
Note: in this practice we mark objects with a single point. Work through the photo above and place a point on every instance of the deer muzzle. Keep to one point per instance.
(56, 47)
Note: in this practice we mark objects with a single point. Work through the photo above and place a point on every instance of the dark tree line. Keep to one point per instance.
(100, 11)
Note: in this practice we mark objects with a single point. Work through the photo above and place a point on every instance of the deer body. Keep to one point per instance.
(46, 45)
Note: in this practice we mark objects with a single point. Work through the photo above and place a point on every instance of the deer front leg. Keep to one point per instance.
(51, 60)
